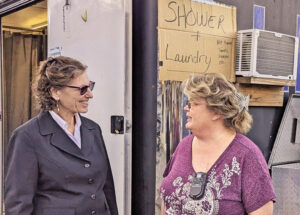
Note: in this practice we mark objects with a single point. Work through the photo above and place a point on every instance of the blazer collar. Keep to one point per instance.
(60, 139)
(49, 126)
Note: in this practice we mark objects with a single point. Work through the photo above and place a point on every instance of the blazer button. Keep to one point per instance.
(87, 165)
(93, 212)
(93, 196)
(91, 180)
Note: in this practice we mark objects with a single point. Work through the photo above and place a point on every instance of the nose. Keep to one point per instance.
(89, 94)
(186, 108)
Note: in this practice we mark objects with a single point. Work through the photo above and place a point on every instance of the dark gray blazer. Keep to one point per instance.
(47, 174)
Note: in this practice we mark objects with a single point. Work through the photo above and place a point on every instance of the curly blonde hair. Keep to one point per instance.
(221, 98)
(55, 72)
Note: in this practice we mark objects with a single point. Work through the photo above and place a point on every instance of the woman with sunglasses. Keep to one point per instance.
(216, 169)
(57, 163)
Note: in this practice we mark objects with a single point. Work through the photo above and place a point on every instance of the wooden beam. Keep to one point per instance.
(265, 81)
(262, 95)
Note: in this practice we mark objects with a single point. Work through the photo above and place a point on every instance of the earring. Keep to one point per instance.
(57, 106)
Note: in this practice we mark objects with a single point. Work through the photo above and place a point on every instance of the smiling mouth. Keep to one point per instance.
(85, 102)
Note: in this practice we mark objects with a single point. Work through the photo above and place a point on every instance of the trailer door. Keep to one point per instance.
(96, 33)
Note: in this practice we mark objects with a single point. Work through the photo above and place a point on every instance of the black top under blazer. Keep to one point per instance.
(47, 174)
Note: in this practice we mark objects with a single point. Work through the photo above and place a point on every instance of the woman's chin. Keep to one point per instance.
(83, 110)
(188, 126)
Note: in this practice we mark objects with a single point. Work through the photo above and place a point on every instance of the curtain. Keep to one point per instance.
(21, 56)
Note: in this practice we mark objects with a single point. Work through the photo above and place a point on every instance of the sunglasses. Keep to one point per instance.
(83, 89)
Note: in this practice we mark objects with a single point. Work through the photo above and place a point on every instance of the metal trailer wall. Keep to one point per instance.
(280, 16)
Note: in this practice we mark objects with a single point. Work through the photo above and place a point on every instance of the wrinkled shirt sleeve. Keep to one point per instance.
(257, 186)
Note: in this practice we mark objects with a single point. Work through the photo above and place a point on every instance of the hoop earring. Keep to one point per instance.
(57, 106)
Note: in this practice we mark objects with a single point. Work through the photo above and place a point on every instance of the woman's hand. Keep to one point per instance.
(162, 208)
(266, 209)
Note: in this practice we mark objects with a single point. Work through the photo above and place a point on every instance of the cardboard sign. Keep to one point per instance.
(195, 38)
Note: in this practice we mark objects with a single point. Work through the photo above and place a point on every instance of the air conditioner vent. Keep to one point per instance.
(266, 54)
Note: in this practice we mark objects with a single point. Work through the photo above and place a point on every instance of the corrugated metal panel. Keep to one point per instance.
(9, 6)
(286, 180)
(287, 148)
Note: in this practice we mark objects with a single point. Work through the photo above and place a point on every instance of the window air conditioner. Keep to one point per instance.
(266, 54)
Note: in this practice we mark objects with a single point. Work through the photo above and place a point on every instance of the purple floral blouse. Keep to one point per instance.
(238, 183)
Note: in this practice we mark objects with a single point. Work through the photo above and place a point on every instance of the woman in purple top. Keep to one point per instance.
(216, 170)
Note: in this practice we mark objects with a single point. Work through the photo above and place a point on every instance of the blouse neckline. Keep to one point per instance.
(220, 158)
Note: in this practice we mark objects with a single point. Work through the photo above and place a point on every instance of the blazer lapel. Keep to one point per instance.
(61, 141)
(87, 136)
(59, 138)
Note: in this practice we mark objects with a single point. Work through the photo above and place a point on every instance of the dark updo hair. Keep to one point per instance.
(221, 97)
(55, 72)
